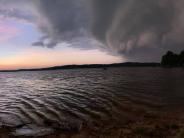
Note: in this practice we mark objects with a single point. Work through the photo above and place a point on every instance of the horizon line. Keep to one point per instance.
(72, 66)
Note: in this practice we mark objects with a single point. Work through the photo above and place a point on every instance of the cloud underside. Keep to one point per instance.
(139, 30)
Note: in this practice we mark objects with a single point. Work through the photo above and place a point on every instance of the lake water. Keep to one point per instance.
(33, 102)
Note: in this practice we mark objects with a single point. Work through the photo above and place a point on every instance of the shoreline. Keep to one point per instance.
(89, 66)
(169, 124)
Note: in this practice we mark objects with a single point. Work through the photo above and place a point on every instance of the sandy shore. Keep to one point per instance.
(169, 124)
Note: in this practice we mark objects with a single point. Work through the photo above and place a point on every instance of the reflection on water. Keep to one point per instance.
(87, 95)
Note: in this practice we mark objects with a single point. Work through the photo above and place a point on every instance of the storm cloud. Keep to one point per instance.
(61, 20)
(140, 30)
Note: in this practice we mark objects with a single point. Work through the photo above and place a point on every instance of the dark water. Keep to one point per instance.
(29, 100)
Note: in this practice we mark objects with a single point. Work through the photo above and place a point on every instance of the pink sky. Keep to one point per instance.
(7, 32)
(36, 58)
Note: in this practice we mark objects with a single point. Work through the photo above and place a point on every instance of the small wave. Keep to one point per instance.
(40, 101)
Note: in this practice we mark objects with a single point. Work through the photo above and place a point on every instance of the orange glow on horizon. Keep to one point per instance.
(38, 59)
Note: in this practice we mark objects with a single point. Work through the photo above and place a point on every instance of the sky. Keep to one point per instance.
(43, 33)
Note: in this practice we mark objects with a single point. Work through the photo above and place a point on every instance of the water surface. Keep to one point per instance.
(29, 100)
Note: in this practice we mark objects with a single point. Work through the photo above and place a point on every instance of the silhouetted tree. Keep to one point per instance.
(170, 59)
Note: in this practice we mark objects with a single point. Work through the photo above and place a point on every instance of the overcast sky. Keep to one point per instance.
(40, 33)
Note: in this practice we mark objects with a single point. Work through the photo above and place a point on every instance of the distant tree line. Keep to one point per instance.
(171, 59)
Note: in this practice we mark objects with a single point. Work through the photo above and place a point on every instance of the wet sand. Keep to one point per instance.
(140, 123)
(145, 125)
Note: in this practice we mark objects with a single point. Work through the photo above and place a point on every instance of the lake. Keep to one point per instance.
(36, 103)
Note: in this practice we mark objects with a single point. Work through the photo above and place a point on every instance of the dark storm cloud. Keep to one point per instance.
(103, 15)
(38, 43)
(140, 30)
(62, 20)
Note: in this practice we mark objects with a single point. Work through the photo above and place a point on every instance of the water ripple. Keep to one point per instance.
(86, 95)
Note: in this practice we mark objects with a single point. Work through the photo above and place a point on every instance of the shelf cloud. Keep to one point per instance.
(139, 30)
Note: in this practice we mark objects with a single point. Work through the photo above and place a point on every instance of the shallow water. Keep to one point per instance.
(29, 100)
